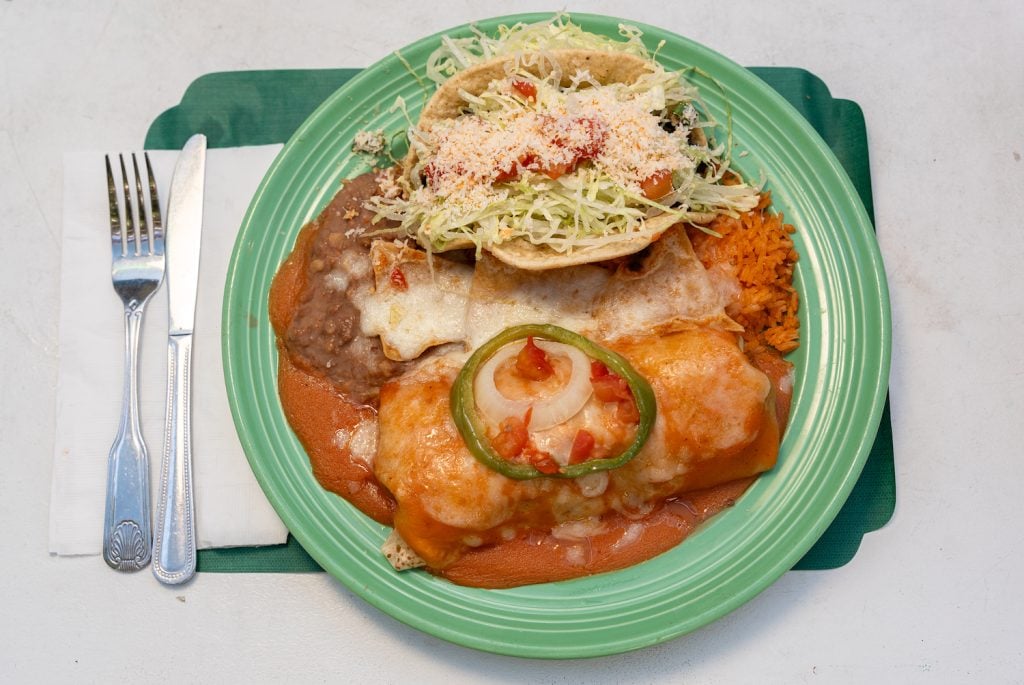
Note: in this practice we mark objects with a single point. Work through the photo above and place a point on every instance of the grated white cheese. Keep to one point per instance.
(612, 127)
(369, 142)
(387, 183)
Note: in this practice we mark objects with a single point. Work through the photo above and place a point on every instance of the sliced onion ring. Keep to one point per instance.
(547, 411)
(469, 420)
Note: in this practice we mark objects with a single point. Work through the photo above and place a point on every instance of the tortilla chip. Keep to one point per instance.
(399, 554)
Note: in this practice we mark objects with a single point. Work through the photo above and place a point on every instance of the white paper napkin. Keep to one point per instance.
(231, 510)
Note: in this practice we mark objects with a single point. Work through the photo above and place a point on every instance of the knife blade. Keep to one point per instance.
(174, 545)
(182, 241)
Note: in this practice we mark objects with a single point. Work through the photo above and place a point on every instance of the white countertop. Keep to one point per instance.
(934, 596)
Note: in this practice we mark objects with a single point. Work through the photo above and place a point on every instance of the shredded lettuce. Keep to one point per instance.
(557, 33)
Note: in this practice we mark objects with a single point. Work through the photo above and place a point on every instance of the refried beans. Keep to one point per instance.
(323, 335)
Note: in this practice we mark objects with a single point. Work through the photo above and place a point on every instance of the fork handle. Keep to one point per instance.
(174, 548)
(127, 533)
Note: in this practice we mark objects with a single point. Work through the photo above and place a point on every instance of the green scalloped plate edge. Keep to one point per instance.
(842, 376)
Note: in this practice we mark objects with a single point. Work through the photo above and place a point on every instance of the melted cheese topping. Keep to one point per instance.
(715, 424)
(502, 296)
(459, 303)
(413, 306)
(672, 289)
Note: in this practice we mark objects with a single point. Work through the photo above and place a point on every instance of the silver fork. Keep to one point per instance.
(137, 271)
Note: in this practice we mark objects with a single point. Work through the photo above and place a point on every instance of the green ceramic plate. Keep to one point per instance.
(842, 374)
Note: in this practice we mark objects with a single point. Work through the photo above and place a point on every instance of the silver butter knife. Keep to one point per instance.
(174, 546)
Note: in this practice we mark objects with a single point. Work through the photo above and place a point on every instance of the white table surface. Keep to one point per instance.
(935, 596)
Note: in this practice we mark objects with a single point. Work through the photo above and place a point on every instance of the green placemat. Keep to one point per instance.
(263, 107)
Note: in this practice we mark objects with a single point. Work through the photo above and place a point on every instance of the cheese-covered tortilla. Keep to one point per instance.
(716, 411)
(716, 423)
(414, 305)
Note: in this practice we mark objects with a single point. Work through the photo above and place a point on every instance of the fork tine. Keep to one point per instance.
(154, 209)
(132, 245)
(116, 238)
(145, 240)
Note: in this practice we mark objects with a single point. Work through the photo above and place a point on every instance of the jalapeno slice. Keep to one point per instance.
(471, 426)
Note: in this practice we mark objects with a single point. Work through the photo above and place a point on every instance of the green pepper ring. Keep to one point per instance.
(467, 419)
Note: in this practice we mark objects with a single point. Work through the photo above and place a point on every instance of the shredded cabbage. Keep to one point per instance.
(557, 33)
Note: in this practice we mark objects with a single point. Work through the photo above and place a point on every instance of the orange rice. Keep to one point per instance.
(756, 250)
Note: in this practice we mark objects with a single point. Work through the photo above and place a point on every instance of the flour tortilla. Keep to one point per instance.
(605, 67)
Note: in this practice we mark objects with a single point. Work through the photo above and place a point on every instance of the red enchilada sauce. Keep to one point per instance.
(329, 376)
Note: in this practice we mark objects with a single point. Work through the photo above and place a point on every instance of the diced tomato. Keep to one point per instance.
(582, 447)
(611, 388)
(626, 411)
(527, 161)
(542, 461)
(512, 437)
(432, 174)
(658, 185)
(546, 466)
(596, 134)
(508, 174)
(398, 279)
(533, 363)
(553, 171)
(527, 89)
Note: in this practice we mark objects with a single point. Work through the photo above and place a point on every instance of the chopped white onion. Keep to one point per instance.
(578, 530)
(547, 411)
(629, 536)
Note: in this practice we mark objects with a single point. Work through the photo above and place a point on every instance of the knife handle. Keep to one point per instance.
(174, 546)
